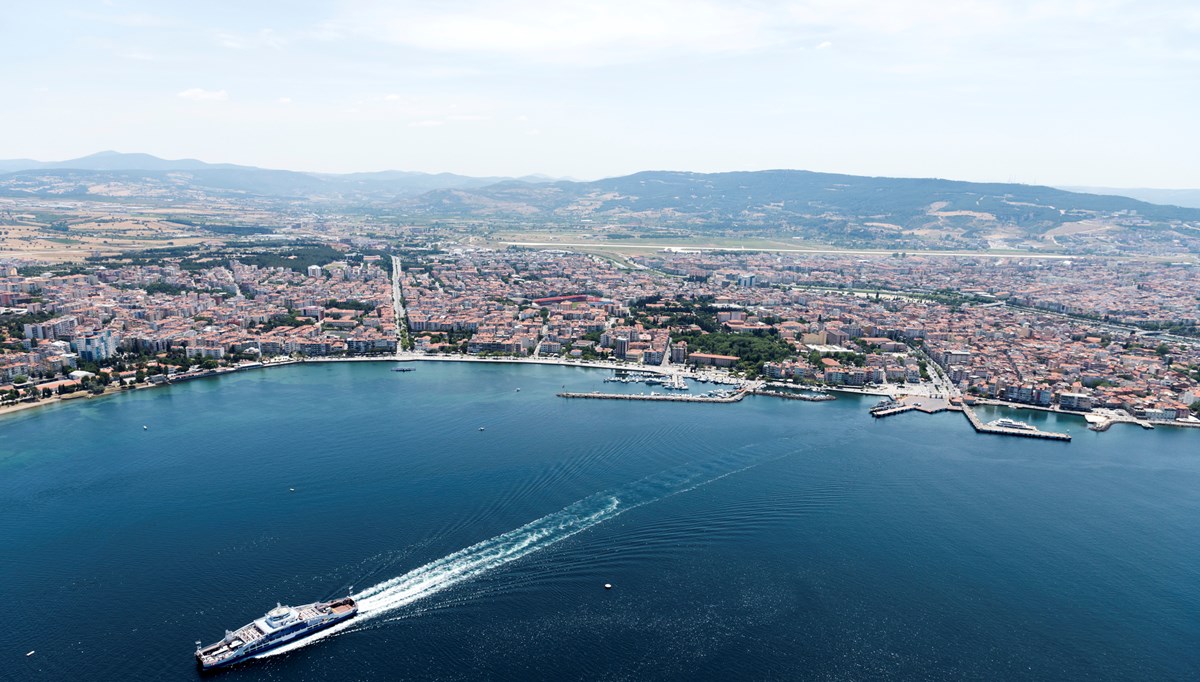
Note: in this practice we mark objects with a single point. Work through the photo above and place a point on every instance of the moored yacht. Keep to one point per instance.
(1006, 423)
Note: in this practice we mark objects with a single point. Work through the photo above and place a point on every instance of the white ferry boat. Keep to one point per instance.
(1006, 423)
(279, 626)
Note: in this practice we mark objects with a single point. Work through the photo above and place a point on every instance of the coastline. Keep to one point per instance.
(992, 402)
(399, 357)
(414, 356)
(81, 396)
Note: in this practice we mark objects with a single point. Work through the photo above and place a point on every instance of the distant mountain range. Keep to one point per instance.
(159, 176)
(791, 197)
(1189, 198)
(842, 209)
(113, 161)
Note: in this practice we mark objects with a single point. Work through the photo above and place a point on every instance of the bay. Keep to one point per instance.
(767, 539)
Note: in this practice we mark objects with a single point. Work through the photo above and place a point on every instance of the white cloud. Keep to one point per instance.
(824, 45)
(138, 20)
(568, 29)
(391, 98)
(284, 100)
(202, 95)
(427, 123)
(266, 37)
(139, 55)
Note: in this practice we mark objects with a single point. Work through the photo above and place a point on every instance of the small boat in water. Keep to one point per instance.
(279, 626)
(404, 369)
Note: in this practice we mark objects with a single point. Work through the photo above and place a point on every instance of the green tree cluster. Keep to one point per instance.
(752, 349)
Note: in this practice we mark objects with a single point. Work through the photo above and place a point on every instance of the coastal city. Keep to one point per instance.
(1039, 333)
(551, 341)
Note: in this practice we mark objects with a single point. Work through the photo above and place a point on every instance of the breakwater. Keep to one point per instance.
(596, 395)
(899, 409)
(819, 398)
(980, 427)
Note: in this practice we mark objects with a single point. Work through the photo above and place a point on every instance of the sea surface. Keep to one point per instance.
(478, 523)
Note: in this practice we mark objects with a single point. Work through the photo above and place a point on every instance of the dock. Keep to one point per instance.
(675, 398)
(980, 427)
(926, 404)
(817, 398)
(899, 409)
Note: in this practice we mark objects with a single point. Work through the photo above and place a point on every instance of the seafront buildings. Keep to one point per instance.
(1036, 332)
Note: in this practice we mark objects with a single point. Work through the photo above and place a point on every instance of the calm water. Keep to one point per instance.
(768, 539)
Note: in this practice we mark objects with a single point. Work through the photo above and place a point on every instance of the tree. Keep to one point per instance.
(20, 379)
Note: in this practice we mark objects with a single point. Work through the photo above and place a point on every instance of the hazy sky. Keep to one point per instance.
(1087, 92)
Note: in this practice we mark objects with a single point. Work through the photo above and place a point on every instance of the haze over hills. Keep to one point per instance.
(113, 161)
(759, 195)
(826, 207)
(145, 175)
(847, 210)
(1188, 198)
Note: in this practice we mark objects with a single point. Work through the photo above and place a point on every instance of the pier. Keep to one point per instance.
(899, 409)
(818, 398)
(980, 427)
(736, 397)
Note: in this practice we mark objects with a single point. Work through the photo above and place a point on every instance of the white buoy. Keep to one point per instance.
(145, 428)
(608, 586)
(292, 489)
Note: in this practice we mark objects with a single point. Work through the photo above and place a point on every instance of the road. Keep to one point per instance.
(398, 304)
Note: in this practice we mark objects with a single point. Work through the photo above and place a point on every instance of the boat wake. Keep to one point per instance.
(490, 554)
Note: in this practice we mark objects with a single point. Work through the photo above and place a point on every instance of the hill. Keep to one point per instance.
(1188, 198)
(115, 174)
(843, 210)
(831, 208)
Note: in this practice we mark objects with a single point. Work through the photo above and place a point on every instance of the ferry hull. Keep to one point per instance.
(276, 642)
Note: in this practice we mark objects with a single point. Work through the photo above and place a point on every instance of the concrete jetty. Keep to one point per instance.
(669, 398)
(899, 409)
(818, 398)
(980, 427)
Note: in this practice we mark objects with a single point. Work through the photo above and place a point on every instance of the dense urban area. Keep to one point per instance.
(1057, 333)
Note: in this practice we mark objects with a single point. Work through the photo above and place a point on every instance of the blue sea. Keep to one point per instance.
(477, 525)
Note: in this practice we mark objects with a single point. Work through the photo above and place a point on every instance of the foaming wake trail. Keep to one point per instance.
(505, 548)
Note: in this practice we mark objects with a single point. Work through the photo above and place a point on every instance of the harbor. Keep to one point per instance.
(999, 428)
(810, 397)
(715, 397)
(908, 403)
